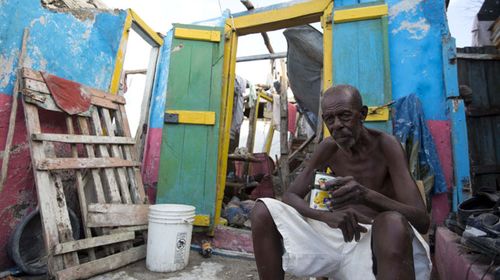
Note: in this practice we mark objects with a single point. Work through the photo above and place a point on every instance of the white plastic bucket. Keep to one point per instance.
(169, 236)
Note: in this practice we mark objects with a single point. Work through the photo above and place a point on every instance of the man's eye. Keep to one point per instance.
(345, 116)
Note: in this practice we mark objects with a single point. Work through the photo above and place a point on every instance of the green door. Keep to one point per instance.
(190, 140)
(361, 56)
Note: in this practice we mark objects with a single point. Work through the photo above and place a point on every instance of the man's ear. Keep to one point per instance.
(364, 112)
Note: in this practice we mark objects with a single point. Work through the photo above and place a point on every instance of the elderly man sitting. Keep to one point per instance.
(377, 213)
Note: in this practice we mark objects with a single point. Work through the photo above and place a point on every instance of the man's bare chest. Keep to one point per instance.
(369, 170)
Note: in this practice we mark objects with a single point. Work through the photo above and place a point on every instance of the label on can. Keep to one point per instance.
(319, 194)
(320, 180)
(181, 247)
(318, 200)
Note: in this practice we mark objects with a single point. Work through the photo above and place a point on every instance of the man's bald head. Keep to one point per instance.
(345, 92)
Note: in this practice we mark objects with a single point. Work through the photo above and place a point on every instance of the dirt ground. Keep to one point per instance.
(213, 268)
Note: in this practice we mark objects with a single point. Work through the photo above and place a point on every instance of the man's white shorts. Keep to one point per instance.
(312, 248)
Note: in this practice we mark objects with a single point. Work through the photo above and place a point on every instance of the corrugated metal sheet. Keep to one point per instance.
(479, 69)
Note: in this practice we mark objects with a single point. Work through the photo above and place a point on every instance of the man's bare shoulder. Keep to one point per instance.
(388, 144)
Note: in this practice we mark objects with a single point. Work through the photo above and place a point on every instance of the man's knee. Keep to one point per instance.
(260, 216)
(392, 221)
(391, 234)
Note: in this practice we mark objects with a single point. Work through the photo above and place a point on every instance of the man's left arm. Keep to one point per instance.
(407, 200)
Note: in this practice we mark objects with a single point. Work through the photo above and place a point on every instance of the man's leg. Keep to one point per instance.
(267, 245)
(392, 247)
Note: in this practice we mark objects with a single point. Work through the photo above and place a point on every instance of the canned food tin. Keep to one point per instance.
(319, 194)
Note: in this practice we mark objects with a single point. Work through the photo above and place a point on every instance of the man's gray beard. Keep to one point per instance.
(347, 146)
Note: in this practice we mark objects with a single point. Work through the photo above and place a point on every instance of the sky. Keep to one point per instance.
(160, 14)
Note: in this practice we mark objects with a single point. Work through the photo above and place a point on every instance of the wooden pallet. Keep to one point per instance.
(97, 152)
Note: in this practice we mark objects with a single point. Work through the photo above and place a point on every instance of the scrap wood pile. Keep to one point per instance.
(98, 151)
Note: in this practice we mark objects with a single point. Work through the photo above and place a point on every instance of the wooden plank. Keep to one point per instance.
(380, 113)
(476, 112)
(93, 242)
(66, 229)
(142, 129)
(197, 34)
(111, 215)
(115, 152)
(134, 174)
(486, 169)
(80, 189)
(146, 32)
(192, 117)
(201, 220)
(301, 147)
(285, 167)
(13, 113)
(102, 102)
(361, 13)
(55, 219)
(35, 75)
(478, 56)
(82, 139)
(98, 188)
(83, 163)
(129, 228)
(99, 266)
(45, 101)
(281, 17)
(109, 175)
(41, 87)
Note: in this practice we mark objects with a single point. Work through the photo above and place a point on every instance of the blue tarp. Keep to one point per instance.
(410, 128)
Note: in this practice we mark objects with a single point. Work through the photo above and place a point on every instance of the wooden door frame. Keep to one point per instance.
(262, 20)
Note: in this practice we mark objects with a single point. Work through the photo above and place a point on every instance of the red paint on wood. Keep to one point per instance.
(453, 262)
(151, 162)
(441, 134)
(19, 197)
(68, 95)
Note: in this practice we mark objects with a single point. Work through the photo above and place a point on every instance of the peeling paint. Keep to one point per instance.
(36, 60)
(405, 6)
(86, 34)
(178, 48)
(42, 20)
(7, 68)
(418, 30)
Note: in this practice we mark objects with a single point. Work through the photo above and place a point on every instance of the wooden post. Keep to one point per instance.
(13, 113)
(285, 168)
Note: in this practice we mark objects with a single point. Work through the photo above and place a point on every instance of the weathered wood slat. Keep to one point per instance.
(109, 186)
(82, 163)
(129, 229)
(80, 189)
(115, 152)
(92, 268)
(35, 75)
(134, 174)
(83, 139)
(111, 215)
(109, 174)
(55, 219)
(93, 242)
(41, 87)
(486, 169)
(99, 190)
(101, 102)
